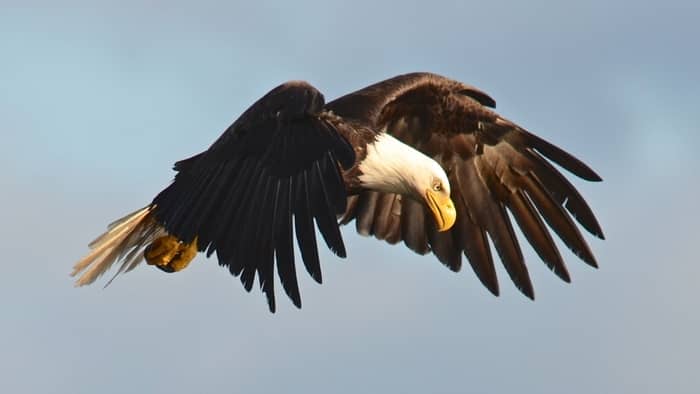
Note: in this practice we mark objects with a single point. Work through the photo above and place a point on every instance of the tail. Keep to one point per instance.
(124, 240)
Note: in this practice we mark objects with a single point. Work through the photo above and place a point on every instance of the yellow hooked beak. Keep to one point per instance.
(443, 209)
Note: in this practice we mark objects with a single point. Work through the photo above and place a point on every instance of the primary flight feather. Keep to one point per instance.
(417, 158)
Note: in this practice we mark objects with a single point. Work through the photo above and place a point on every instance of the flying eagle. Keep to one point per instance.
(417, 158)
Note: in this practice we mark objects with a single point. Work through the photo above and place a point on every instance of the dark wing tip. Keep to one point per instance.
(563, 158)
(318, 277)
(591, 261)
(584, 253)
(493, 288)
(529, 294)
(563, 275)
(527, 289)
(293, 294)
(596, 231)
(486, 273)
(595, 177)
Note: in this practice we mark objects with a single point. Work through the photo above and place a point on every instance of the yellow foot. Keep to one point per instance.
(170, 254)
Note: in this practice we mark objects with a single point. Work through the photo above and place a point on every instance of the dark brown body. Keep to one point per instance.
(290, 165)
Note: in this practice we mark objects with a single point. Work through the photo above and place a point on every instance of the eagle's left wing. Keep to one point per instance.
(493, 166)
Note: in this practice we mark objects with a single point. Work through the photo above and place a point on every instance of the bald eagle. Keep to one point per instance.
(417, 158)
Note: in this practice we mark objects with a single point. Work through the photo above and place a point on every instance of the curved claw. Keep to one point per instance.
(170, 254)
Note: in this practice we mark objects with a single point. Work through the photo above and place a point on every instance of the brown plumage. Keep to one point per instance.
(291, 164)
(493, 166)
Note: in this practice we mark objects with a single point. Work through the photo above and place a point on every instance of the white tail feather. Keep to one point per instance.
(124, 240)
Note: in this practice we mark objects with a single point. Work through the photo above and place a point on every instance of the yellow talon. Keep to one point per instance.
(170, 254)
(185, 254)
(161, 251)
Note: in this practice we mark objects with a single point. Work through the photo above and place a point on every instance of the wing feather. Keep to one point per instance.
(444, 248)
(393, 235)
(284, 248)
(491, 215)
(304, 226)
(277, 171)
(537, 234)
(382, 221)
(558, 220)
(413, 226)
(366, 207)
(323, 211)
(278, 164)
(566, 194)
(495, 167)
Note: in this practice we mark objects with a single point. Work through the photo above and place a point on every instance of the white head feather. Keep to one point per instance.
(394, 167)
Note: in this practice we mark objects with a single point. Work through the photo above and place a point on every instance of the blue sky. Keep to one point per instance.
(97, 101)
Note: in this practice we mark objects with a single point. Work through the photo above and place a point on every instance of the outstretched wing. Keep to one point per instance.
(493, 166)
(274, 166)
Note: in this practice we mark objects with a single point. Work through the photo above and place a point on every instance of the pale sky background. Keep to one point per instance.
(97, 102)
